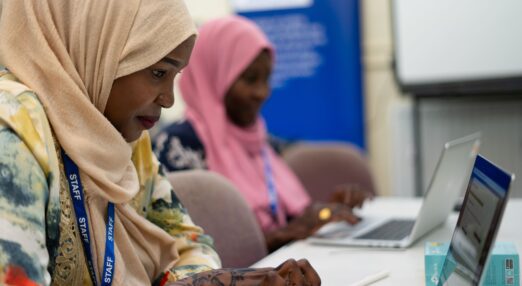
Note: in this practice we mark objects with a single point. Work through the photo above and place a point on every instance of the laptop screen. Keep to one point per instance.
(477, 225)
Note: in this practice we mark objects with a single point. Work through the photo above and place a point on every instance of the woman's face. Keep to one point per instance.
(136, 100)
(248, 93)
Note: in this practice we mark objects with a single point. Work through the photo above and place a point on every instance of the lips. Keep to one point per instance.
(148, 121)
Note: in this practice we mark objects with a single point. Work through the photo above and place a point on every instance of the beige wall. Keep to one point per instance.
(203, 10)
(381, 95)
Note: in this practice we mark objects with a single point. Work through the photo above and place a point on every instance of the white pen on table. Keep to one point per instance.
(370, 279)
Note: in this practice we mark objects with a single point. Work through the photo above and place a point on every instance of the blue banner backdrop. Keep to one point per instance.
(317, 81)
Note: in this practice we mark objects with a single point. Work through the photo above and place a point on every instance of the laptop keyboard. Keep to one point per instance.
(392, 230)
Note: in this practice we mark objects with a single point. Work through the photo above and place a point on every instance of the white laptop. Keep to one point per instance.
(448, 183)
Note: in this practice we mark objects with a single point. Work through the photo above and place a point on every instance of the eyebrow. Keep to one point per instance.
(173, 62)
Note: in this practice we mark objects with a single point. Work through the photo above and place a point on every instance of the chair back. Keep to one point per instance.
(215, 204)
(322, 166)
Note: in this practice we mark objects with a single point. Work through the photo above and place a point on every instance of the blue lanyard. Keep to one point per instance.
(269, 177)
(76, 189)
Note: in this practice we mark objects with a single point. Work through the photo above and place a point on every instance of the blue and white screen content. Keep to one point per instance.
(474, 232)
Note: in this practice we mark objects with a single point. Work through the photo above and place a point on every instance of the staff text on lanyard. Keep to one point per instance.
(76, 188)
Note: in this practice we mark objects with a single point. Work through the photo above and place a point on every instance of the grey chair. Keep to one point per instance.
(322, 166)
(214, 204)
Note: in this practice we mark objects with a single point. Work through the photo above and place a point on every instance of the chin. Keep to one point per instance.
(131, 137)
(246, 122)
(250, 122)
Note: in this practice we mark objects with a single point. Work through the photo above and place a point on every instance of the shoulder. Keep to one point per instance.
(19, 105)
(279, 144)
(178, 147)
(180, 134)
(22, 112)
(184, 132)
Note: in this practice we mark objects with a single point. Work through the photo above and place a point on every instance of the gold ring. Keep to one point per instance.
(325, 214)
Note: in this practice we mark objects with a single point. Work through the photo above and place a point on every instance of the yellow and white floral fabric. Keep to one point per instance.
(39, 241)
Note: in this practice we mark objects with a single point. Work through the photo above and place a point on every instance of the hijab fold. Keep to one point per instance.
(70, 53)
(225, 48)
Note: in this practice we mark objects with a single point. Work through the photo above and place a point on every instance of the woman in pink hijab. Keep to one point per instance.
(224, 87)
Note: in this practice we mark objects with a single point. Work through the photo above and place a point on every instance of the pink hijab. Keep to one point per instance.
(224, 49)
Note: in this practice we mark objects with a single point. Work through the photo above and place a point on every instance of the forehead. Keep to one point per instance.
(263, 59)
(181, 54)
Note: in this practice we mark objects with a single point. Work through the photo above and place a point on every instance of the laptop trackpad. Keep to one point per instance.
(342, 229)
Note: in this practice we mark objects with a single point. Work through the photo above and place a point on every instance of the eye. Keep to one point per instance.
(158, 74)
(250, 79)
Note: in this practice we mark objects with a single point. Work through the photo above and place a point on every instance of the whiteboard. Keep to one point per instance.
(445, 41)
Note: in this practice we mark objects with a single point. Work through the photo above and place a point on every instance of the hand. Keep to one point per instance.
(344, 199)
(290, 272)
(296, 273)
(312, 219)
(350, 195)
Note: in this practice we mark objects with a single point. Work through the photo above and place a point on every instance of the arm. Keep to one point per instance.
(195, 248)
(198, 259)
(23, 196)
(309, 222)
(290, 272)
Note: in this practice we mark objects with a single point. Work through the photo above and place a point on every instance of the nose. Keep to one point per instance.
(262, 91)
(166, 97)
(166, 100)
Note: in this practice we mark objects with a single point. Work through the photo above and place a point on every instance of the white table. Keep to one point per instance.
(346, 265)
